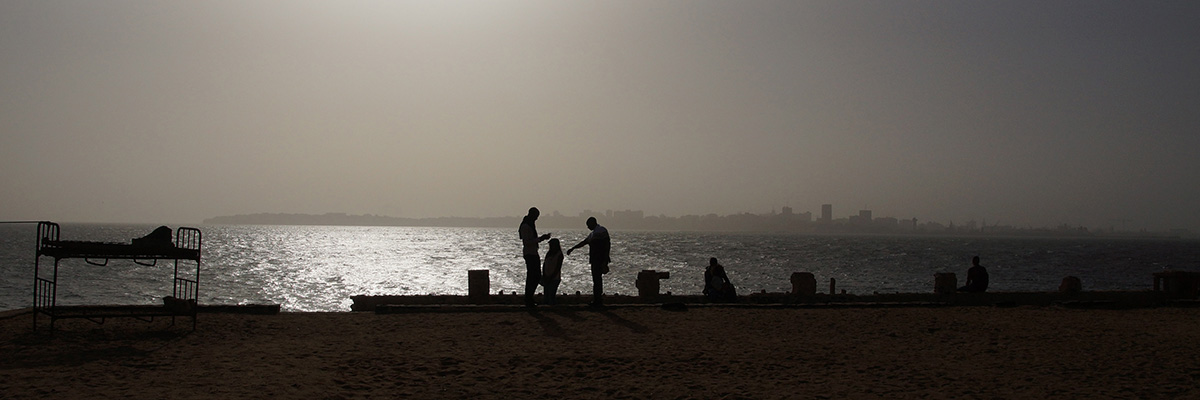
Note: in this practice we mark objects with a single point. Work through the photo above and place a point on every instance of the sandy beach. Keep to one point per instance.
(617, 353)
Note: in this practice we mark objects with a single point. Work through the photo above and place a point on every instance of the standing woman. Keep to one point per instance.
(552, 271)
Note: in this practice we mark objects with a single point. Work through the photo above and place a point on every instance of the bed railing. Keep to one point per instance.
(46, 231)
(44, 290)
(188, 288)
(187, 238)
(43, 296)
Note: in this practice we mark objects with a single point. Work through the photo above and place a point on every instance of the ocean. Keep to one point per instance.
(318, 268)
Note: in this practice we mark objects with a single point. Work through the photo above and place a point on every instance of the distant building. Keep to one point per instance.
(787, 211)
(862, 220)
(628, 215)
(887, 223)
(932, 227)
(827, 213)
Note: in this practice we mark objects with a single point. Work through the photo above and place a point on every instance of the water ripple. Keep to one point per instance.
(318, 268)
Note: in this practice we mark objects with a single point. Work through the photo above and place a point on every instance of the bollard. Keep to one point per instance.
(478, 286)
(648, 282)
(804, 284)
(945, 283)
(1070, 285)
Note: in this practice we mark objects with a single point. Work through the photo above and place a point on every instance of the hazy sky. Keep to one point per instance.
(1017, 112)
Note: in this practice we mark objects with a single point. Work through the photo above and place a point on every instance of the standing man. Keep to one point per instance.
(598, 248)
(529, 249)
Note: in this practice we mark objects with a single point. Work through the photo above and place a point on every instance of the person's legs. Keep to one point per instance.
(533, 276)
(728, 294)
(597, 285)
(551, 289)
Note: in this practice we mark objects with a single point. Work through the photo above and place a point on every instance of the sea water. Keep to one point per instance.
(318, 268)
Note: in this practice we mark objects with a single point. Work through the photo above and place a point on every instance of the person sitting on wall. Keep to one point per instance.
(716, 283)
(977, 278)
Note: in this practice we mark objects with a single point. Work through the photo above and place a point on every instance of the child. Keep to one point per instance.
(552, 271)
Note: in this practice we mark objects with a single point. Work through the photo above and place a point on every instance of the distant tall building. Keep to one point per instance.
(628, 215)
(827, 213)
(787, 211)
(865, 215)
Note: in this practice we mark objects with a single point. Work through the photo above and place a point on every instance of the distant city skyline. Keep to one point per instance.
(1115, 222)
(864, 220)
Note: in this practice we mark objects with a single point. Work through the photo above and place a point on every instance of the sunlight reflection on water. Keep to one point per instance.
(318, 268)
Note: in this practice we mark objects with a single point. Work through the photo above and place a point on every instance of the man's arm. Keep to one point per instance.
(582, 243)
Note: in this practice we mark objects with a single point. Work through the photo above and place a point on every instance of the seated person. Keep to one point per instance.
(977, 278)
(716, 283)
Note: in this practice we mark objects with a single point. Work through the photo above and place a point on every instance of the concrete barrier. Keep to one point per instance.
(479, 286)
(945, 283)
(648, 282)
(1178, 284)
(1070, 285)
(804, 284)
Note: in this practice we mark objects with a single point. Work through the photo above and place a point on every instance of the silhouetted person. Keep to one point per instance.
(716, 283)
(977, 278)
(599, 246)
(552, 271)
(533, 262)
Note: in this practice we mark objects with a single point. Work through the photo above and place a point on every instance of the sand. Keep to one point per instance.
(635, 352)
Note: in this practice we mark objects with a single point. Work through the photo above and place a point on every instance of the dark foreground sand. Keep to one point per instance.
(641, 352)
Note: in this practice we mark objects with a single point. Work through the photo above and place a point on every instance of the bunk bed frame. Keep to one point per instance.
(184, 251)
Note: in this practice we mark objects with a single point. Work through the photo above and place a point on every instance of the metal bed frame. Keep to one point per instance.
(186, 285)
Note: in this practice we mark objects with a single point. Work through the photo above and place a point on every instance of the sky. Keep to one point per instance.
(1023, 113)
